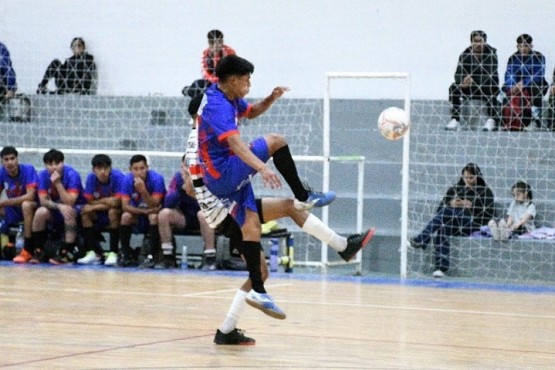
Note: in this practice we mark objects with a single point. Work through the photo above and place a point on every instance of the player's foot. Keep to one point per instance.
(22, 257)
(266, 304)
(438, 274)
(111, 259)
(148, 262)
(235, 337)
(38, 257)
(62, 258)
(355, 243)
(91, 258)
(315, 199)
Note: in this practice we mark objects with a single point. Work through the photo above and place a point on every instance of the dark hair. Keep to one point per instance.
(76, 39)
(480, 33)
(101, 160)
(215, 34)
(137, 158)
(523, 186)
(53, 155)
(194, 104)
(475, 170)
(7, 150)
(233, 65)
(524, 39)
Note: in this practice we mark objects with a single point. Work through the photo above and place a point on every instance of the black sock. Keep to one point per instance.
(154, 241)
(125, 238)
(28, 246)
(89, 238)
(39, 240)
(251, 252)
(114, 240)
(286, 166)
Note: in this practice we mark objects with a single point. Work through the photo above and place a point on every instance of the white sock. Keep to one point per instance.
(210, 252)
(235, 310)
(315, 227)
(167, 249)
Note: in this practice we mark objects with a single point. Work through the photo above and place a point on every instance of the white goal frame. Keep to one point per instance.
(405, 167)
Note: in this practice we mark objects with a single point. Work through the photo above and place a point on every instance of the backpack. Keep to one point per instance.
(516, 110)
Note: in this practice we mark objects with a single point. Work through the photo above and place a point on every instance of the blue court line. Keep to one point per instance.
(443, 283)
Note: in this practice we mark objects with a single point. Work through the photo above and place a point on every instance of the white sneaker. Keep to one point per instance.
(453, 125)
(494, 229)
(111, 259)
(438, 274)
(90, 259)
(489, 125)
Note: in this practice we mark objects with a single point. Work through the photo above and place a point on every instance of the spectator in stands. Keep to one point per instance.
(20, 182)
(466, 206)
(525, 76)
(550, 111)
(520, 215)
(210, 57)
(76, 75)
(142, 193)
(102, 211)
(476, 77)
(8, 84)
(181, 211)
(61, 197)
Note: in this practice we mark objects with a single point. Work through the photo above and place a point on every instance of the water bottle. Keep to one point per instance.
(274, 250)
(184, 265)
(19, 239)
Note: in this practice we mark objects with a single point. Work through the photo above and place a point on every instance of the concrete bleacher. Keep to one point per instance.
(161, 124)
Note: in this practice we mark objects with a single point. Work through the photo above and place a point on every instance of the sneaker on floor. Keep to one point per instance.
(453, 125)
(265, 303)
(148, 262)
(168, 262)
(91, 258)
(235, 337)
(209, 263)
(64, 257)
(489, 125)
(315, 199)
(111, 259)
(38, 257)
(438, 274)
(355, 243)
(22, 257)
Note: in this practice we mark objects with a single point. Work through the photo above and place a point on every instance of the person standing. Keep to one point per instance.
(8, 83)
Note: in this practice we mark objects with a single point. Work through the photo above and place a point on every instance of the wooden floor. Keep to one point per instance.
(100, 318)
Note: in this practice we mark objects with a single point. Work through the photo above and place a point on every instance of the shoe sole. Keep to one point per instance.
(365, 241)
(271, 313)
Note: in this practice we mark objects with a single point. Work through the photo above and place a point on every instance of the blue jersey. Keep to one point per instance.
(71, 181)
(154, 184)
(17, 186)
(95, 190)
(176, 198)
(218, 120)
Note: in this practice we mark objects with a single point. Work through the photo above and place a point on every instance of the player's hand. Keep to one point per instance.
(271, 179)
(278, 91)
(467, 81)
(55, 177)
(139, 184)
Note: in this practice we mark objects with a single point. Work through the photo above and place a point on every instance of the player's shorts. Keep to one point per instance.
(234, 185)
(12, 216)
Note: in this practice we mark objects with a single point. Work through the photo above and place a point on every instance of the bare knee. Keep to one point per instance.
(275, 142)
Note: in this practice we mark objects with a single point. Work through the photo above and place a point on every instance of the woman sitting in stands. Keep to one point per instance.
(467, 206)
(75, 76)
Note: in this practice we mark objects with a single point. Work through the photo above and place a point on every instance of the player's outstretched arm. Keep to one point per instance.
(263, 105)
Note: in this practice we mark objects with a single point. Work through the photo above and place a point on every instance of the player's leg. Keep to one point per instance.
(209, 239)
(114, 218)
(168, 219)
(90, 240)
(25, 214)
(42, 216)
(67, 215)
(153, 247)
(283, 160)
(125, 230)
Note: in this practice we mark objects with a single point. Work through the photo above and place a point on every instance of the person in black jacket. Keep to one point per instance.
(75, 76)
(476, 77)
(467, 205)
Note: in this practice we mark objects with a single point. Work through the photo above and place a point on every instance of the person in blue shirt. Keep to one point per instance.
(61, 198)
(8, 84)
(20, 182)
(525, 75)
(142, 193)
(102, 211)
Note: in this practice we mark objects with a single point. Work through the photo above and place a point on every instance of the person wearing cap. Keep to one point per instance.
(525, 75)
(476, 77)
(215, 51)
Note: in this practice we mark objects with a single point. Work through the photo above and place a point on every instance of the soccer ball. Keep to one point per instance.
(393, 123)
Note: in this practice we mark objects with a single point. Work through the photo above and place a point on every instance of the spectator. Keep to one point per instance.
(103, 210)
(476, 77)
(8, 84)
(550, 111)
(467, 206)
(211, 56)
(75, 76)
(182, 211)
(142, 193)
(61, 197)
(20, 182)
(520, 215)
(525, 77)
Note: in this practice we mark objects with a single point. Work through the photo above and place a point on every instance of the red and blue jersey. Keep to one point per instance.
(71, 181)
(154, 185)
(218, 120)
(179, 199)
(17, 186)
(95, 190)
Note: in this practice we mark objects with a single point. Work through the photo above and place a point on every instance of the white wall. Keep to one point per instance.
(144, 47)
